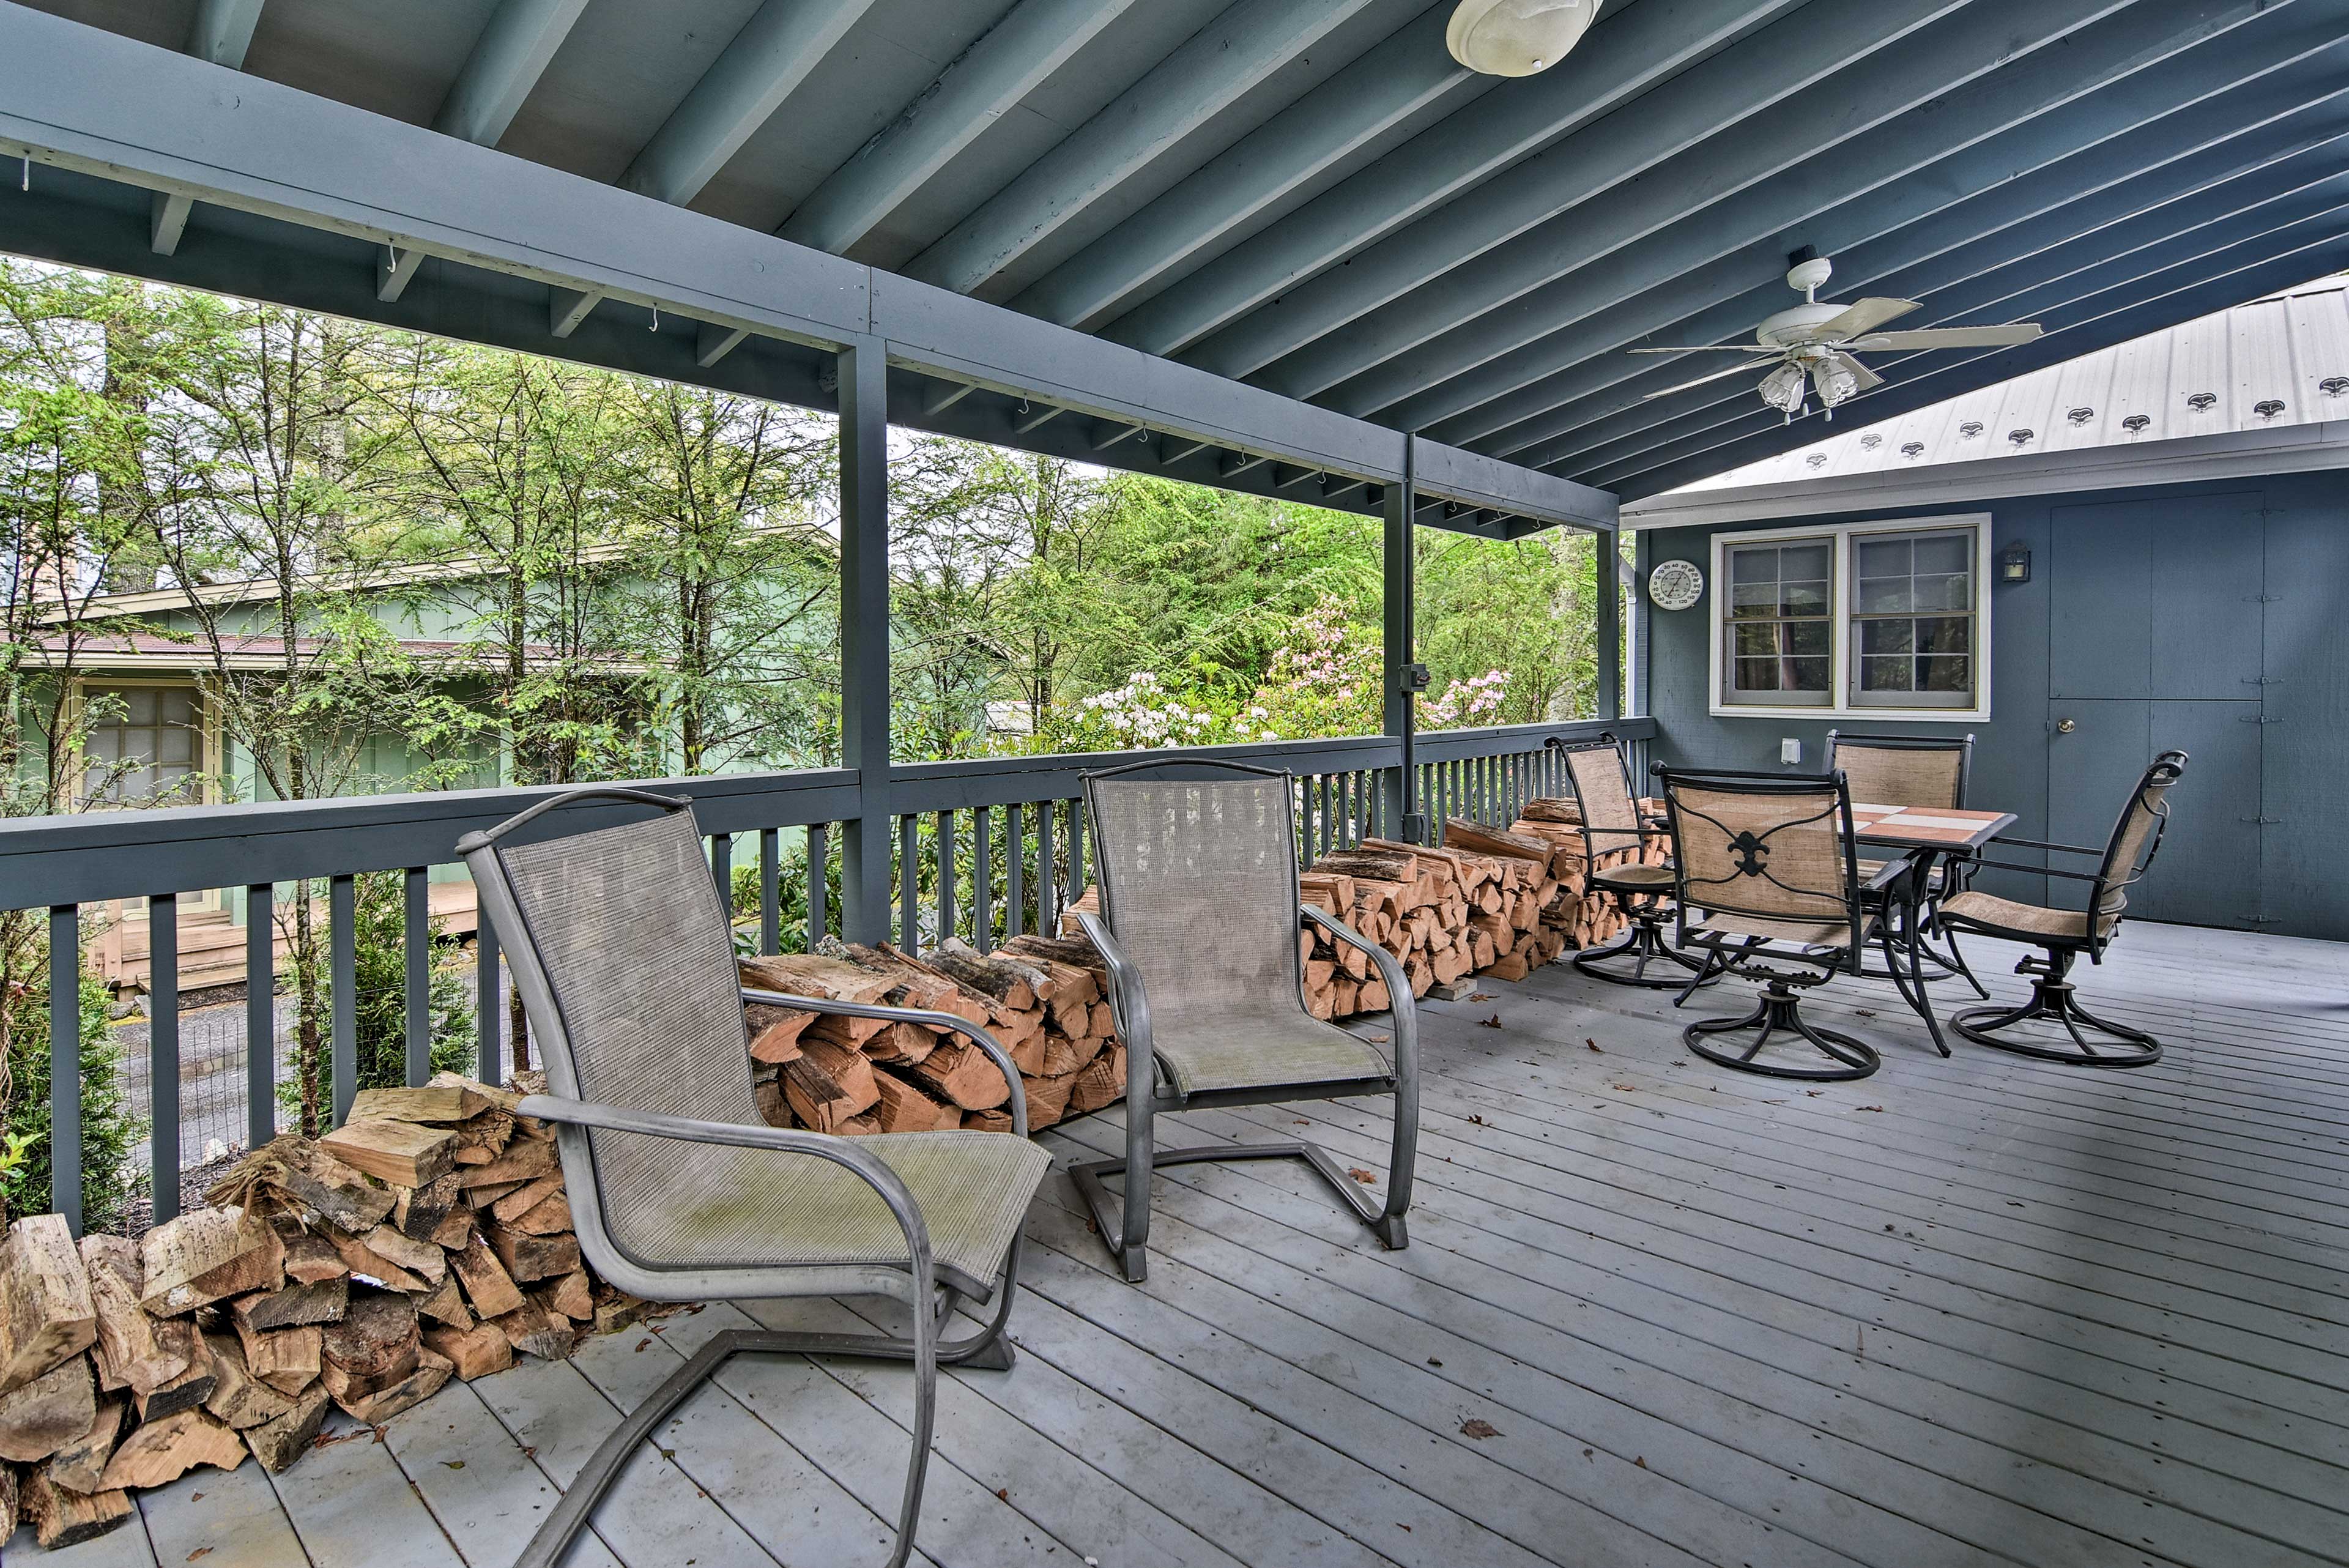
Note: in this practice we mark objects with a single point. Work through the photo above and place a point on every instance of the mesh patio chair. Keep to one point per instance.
(2063, 935)
(1199, 912)
(1613, 828)
(624, 958)
(1930, 772)
(1766, 861)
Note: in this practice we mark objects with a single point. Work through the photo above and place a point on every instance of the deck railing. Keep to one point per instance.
(985, 850)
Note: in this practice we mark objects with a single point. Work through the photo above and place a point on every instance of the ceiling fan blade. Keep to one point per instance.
(1950, 337)
(1713, 349)
(1868, 379)
(1864, 316)
(1701, 381)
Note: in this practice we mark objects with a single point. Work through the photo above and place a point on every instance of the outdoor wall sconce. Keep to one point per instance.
(2015, 563)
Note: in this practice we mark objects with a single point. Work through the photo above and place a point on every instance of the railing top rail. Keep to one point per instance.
(93, 857)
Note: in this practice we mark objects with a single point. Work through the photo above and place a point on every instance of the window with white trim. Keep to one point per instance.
(1878, 617)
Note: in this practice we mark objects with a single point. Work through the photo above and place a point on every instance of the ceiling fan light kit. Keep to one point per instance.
(1517, 37)
(1816, 341)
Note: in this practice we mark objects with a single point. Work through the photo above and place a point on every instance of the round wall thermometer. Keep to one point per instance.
(1675, 585)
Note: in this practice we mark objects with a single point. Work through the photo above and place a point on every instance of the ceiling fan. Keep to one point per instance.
(1815, 344)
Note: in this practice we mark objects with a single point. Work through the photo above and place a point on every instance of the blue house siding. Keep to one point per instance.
(2279, 751)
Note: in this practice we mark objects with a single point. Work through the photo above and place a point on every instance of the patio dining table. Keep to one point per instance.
(1926, 836)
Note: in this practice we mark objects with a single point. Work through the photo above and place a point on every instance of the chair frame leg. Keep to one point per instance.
(1780, 1007)
(1124, 1226)
(985, 1350)
(2054, 998)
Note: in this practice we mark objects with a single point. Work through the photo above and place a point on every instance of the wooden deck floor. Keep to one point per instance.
(1974, 1311)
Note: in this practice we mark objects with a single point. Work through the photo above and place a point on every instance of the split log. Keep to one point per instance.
(530, 1331)
(310, 1258)
(961, 1072)
(376, 1338)
(239, 1399)
(445, 1303)
(401, 1153)
(288, 1360)
(475, 1352)
(61, 1518)
(1102, 1082)
(206, 1256)
(523, 1161)
(129, 1352)
(81, 1464)
(368, 1264)
(774, 1036)
(162, 1452)
(45, 1312)
(309, 1179)
(278, 1443)
(190, 1388)
(431, 1372)
(295, 1305)
(528, 1258)
(455, 1102)
(489, 1287)
(47, 1413)
(422, 1260)
(1004, 981)
(419, 1210)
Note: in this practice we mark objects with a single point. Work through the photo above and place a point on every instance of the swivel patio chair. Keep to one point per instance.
(2063, 935)
(624, 959)
(1930, 772)
(1614, 830)
(1766, 861)
(1199, 924)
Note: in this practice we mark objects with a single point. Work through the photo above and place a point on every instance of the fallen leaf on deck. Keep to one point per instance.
(1478, 1427)
(1871, 1108)
(1594, 1045)
(1364, 1176)
(1492, 1023)
(1480, 996)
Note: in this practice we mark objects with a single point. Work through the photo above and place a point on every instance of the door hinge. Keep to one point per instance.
(2263, 821)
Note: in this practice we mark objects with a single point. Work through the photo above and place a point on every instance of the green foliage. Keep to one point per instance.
(108, 1131)
(380, 990)
(792, 896)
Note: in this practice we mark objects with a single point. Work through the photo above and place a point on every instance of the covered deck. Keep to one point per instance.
(1980, 1310)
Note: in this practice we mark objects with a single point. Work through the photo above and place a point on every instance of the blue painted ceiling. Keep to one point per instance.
(1312, 196)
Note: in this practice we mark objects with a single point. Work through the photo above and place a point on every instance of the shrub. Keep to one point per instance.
(109, 1130)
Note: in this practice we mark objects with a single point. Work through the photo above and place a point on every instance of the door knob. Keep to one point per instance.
(2065, 726)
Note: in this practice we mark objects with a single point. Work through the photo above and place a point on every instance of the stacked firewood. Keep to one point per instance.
(428, 1237)
(1043, 999)
(1488, 902)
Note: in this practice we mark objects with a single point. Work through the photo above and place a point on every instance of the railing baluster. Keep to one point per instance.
(416, 949)
(1047, 813)
(163, 1056)
(1015, 870)
(721, 871)
(945, 875)
(1076, 883)
(909, 883)
(260, 1014)
(490, 1007)
(818, 883)
(65, 1063)
(342, 978)
(1321, 787)
(982, 878)
(771, 890)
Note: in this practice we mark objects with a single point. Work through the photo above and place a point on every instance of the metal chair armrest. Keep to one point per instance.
(947, 1021)
(1391, 972)
(1128, 1005)
(870, 1168)
(2039, 844)
(1891, 871)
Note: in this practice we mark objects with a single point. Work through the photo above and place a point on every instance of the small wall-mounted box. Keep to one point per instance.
(1790, 751)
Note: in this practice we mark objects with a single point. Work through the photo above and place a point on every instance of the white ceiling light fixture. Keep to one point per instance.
(1517, 37)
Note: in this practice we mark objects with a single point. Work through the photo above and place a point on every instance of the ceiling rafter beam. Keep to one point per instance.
(1035, 418)
(712, 342)
(1503, 244)
(1236, 51)
(2074, 284)
(2193, 297)
(1407, 76)
(2091, 148)
(1173, 449)
(1701, 105)
(1625, 54)
(1532, 284)
(220, 33)
(782, 43)
(1951, 253)
(515, 49)
(992, 77)
(1107, 433)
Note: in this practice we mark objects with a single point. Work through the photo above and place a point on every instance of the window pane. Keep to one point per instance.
(1803, 598)
(1757, 674)
(1756, 639)
(1808, 675)
(1949, 593)
(1944, 634)
(1753, 564)
(1804, 562)
(1887, 636)
(1807, 637)
(1944, 553)
(1945, 673)
(1754, 598)
(1883, 596)
(1881, 558)
(1884, 672)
